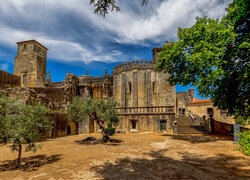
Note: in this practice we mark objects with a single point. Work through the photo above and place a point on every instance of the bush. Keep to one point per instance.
(245, 141)
(110, 131)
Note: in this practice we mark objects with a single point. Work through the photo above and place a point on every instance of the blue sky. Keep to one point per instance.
(79, 40)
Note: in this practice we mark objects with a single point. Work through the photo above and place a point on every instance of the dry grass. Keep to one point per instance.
(133, 156)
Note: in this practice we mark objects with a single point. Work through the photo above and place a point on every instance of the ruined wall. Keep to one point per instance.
(50, 97)
(8, 80)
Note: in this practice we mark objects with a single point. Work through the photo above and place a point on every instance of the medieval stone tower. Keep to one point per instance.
(146, 99)
(30, 63)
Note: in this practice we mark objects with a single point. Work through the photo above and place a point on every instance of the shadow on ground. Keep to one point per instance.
(200, 138)
(95, 141)
(29, 163)
(189, 166)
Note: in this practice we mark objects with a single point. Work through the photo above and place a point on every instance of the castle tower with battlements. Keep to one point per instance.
(146, 99)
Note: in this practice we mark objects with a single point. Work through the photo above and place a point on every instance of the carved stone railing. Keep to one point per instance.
(146, 110)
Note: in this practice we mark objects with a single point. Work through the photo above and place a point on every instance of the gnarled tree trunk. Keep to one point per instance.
(19, 155)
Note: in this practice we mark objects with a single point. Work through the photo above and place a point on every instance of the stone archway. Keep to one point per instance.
(71, 128)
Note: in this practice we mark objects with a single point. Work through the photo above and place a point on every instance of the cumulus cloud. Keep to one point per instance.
(72, 32)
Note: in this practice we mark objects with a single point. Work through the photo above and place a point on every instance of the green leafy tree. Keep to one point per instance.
(214, 56)
(102, 7)
(102, 111)
(22, 125)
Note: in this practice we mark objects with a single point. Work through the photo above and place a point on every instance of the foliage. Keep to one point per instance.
(242, 120)
(245, 141)
(100, 110)
(22, 124)
(76, 110)
(109, 130)
(102, 7)
(214, 56)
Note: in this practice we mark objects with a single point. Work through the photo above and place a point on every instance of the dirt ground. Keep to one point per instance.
(134, 156)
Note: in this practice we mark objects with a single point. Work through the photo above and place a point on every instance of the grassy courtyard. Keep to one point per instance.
(133, 156)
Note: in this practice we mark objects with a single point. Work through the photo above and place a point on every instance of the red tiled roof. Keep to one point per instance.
(201, 100)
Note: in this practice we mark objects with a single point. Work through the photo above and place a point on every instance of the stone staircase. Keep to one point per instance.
(187, 126)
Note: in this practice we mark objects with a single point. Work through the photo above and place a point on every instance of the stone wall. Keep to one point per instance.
(145, 123)
(182, 99)
(223, 128)
(8, 80)
(200, 109)
(140, 84)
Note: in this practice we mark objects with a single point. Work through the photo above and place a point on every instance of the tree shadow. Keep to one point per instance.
(94, 141)
(29, 163)
(200, 138)
(189, 166)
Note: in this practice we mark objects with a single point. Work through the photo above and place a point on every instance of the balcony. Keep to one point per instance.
(146, 110)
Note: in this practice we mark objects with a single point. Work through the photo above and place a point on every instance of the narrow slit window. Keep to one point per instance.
(129, 87)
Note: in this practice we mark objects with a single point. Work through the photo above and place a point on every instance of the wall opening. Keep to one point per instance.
(129, 87)
(210, 111)
(24, 78)
(163, 125)
(153, 87)
(133, 124)
(68, 130)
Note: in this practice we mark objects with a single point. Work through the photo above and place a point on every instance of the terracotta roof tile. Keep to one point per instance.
(201, 100)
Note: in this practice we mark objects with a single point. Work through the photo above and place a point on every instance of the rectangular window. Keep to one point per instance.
(210, 111)
(163, 125)
(39, 49)
(24, 78)
(24, 47)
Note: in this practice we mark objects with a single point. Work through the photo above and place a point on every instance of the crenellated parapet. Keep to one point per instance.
(134, 64)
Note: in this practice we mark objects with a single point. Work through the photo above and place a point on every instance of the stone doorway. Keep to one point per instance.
(163, 125)
(68, 130)
(133, 125)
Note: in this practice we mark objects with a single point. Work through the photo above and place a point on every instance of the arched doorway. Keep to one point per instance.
(71, 128)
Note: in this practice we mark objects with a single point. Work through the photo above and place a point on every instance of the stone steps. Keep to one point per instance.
(191, 129)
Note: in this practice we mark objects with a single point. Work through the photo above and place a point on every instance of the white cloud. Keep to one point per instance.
(72, 32)
(4, 66)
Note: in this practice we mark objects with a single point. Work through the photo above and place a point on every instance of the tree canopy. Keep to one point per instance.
(214, 56)
(22, 124)
(102, 111)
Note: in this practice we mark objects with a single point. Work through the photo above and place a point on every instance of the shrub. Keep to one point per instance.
(109, 130)
(245, 141)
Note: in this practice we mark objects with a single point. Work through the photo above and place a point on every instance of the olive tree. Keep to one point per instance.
(22, 125)
(102, 111)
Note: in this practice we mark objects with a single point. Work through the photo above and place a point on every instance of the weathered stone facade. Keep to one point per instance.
(137, 86)
(30, 63)
(147, 101)
(8, 80)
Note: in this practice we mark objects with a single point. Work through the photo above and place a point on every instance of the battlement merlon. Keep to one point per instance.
(134, 64)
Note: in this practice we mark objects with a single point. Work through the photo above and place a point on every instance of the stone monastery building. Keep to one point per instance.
(147, 102)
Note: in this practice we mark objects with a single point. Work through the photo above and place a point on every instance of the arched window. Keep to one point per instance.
(129, 87)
